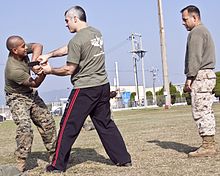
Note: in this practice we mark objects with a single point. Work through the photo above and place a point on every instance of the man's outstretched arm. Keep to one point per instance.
(55, 53)
(65, 70)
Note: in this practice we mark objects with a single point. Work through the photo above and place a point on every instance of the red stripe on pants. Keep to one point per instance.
(64, 125)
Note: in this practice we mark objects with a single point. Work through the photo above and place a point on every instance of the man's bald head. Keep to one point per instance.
(13, 42)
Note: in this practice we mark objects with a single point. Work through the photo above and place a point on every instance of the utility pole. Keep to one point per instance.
(164, 59)
(154, 75)
(131, 37)
(117, 77)
(138, 50)
(117, 86)
(117, 80)
(141, 54)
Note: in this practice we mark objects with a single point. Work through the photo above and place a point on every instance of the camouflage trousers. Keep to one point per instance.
(27, 108)
(202, 100)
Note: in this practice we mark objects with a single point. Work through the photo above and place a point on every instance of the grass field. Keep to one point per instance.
(157, 139)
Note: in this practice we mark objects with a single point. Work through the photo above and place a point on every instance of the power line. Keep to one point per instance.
(139, 71)
(116, 47)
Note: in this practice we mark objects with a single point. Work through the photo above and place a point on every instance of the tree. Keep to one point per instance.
(173, 93)
(217, 86)
(132, 97)
(149, 96)
(160, 98)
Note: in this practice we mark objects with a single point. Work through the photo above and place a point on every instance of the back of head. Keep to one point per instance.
(12, 42)
(192, 9)
(76, 11)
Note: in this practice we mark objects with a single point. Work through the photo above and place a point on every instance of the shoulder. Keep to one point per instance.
(93, 29)
(199, 33)
(88, 32)
(16, 67)
(199, 30)
(95, 32)
(11, 62)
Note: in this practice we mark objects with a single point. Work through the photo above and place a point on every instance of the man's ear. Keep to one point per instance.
(14, 50)
(195, 17)
(75, 19)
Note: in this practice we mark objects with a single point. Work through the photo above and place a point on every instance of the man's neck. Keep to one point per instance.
(198, 23)
(82, 25)
(16, 57)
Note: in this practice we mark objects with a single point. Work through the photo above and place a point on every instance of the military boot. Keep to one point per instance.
(207, 148)
(21, 164)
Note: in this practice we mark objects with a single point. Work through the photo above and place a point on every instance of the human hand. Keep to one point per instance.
(46, 68)
(37, 69)
(43, 58)
(113, 94)
(187, 86)
(186, 89)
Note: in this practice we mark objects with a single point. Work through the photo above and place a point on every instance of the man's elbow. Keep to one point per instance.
(37, 46)
(35, 85)
(71, 69)
(40, 46)
(70, 72)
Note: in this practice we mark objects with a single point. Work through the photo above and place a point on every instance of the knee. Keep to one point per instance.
(24, 126)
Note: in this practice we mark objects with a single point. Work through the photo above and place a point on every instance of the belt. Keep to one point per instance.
(29, 93)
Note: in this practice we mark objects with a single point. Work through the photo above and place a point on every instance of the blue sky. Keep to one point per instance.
(43, 21)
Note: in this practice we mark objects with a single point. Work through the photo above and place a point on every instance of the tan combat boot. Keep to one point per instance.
(207, 148)
(21, 164)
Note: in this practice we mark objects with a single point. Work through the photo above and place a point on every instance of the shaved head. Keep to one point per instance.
(13, 42)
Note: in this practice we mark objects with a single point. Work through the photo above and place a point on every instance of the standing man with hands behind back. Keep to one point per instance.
(23, 100)
(90, 95)
(200, 78)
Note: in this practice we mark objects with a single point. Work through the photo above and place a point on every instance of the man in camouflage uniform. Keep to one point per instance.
(200, 78)
(24, 101)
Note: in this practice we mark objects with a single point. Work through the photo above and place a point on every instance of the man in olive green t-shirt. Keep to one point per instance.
(200, 78)
(24, 101)
(90, 94)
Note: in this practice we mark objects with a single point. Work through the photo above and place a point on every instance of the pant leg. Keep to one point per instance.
(202, 100)
(107, 130)
(79, 106)
(44, 122)
(20, 109)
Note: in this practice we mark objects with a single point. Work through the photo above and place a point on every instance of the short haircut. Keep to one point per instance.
(76, 11)
(12, 42)
(191, 9)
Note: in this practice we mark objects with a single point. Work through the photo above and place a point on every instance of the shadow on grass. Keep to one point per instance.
(182, 148)
(34, 156)
(81, 155)
(77, 156)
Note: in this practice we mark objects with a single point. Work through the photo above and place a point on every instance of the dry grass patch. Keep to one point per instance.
(157, 139)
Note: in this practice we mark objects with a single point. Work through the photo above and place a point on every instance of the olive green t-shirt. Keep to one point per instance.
(200, 51)
(16, 72)
(86, 50)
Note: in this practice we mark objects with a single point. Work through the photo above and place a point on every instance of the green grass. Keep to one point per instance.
(157, 139)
